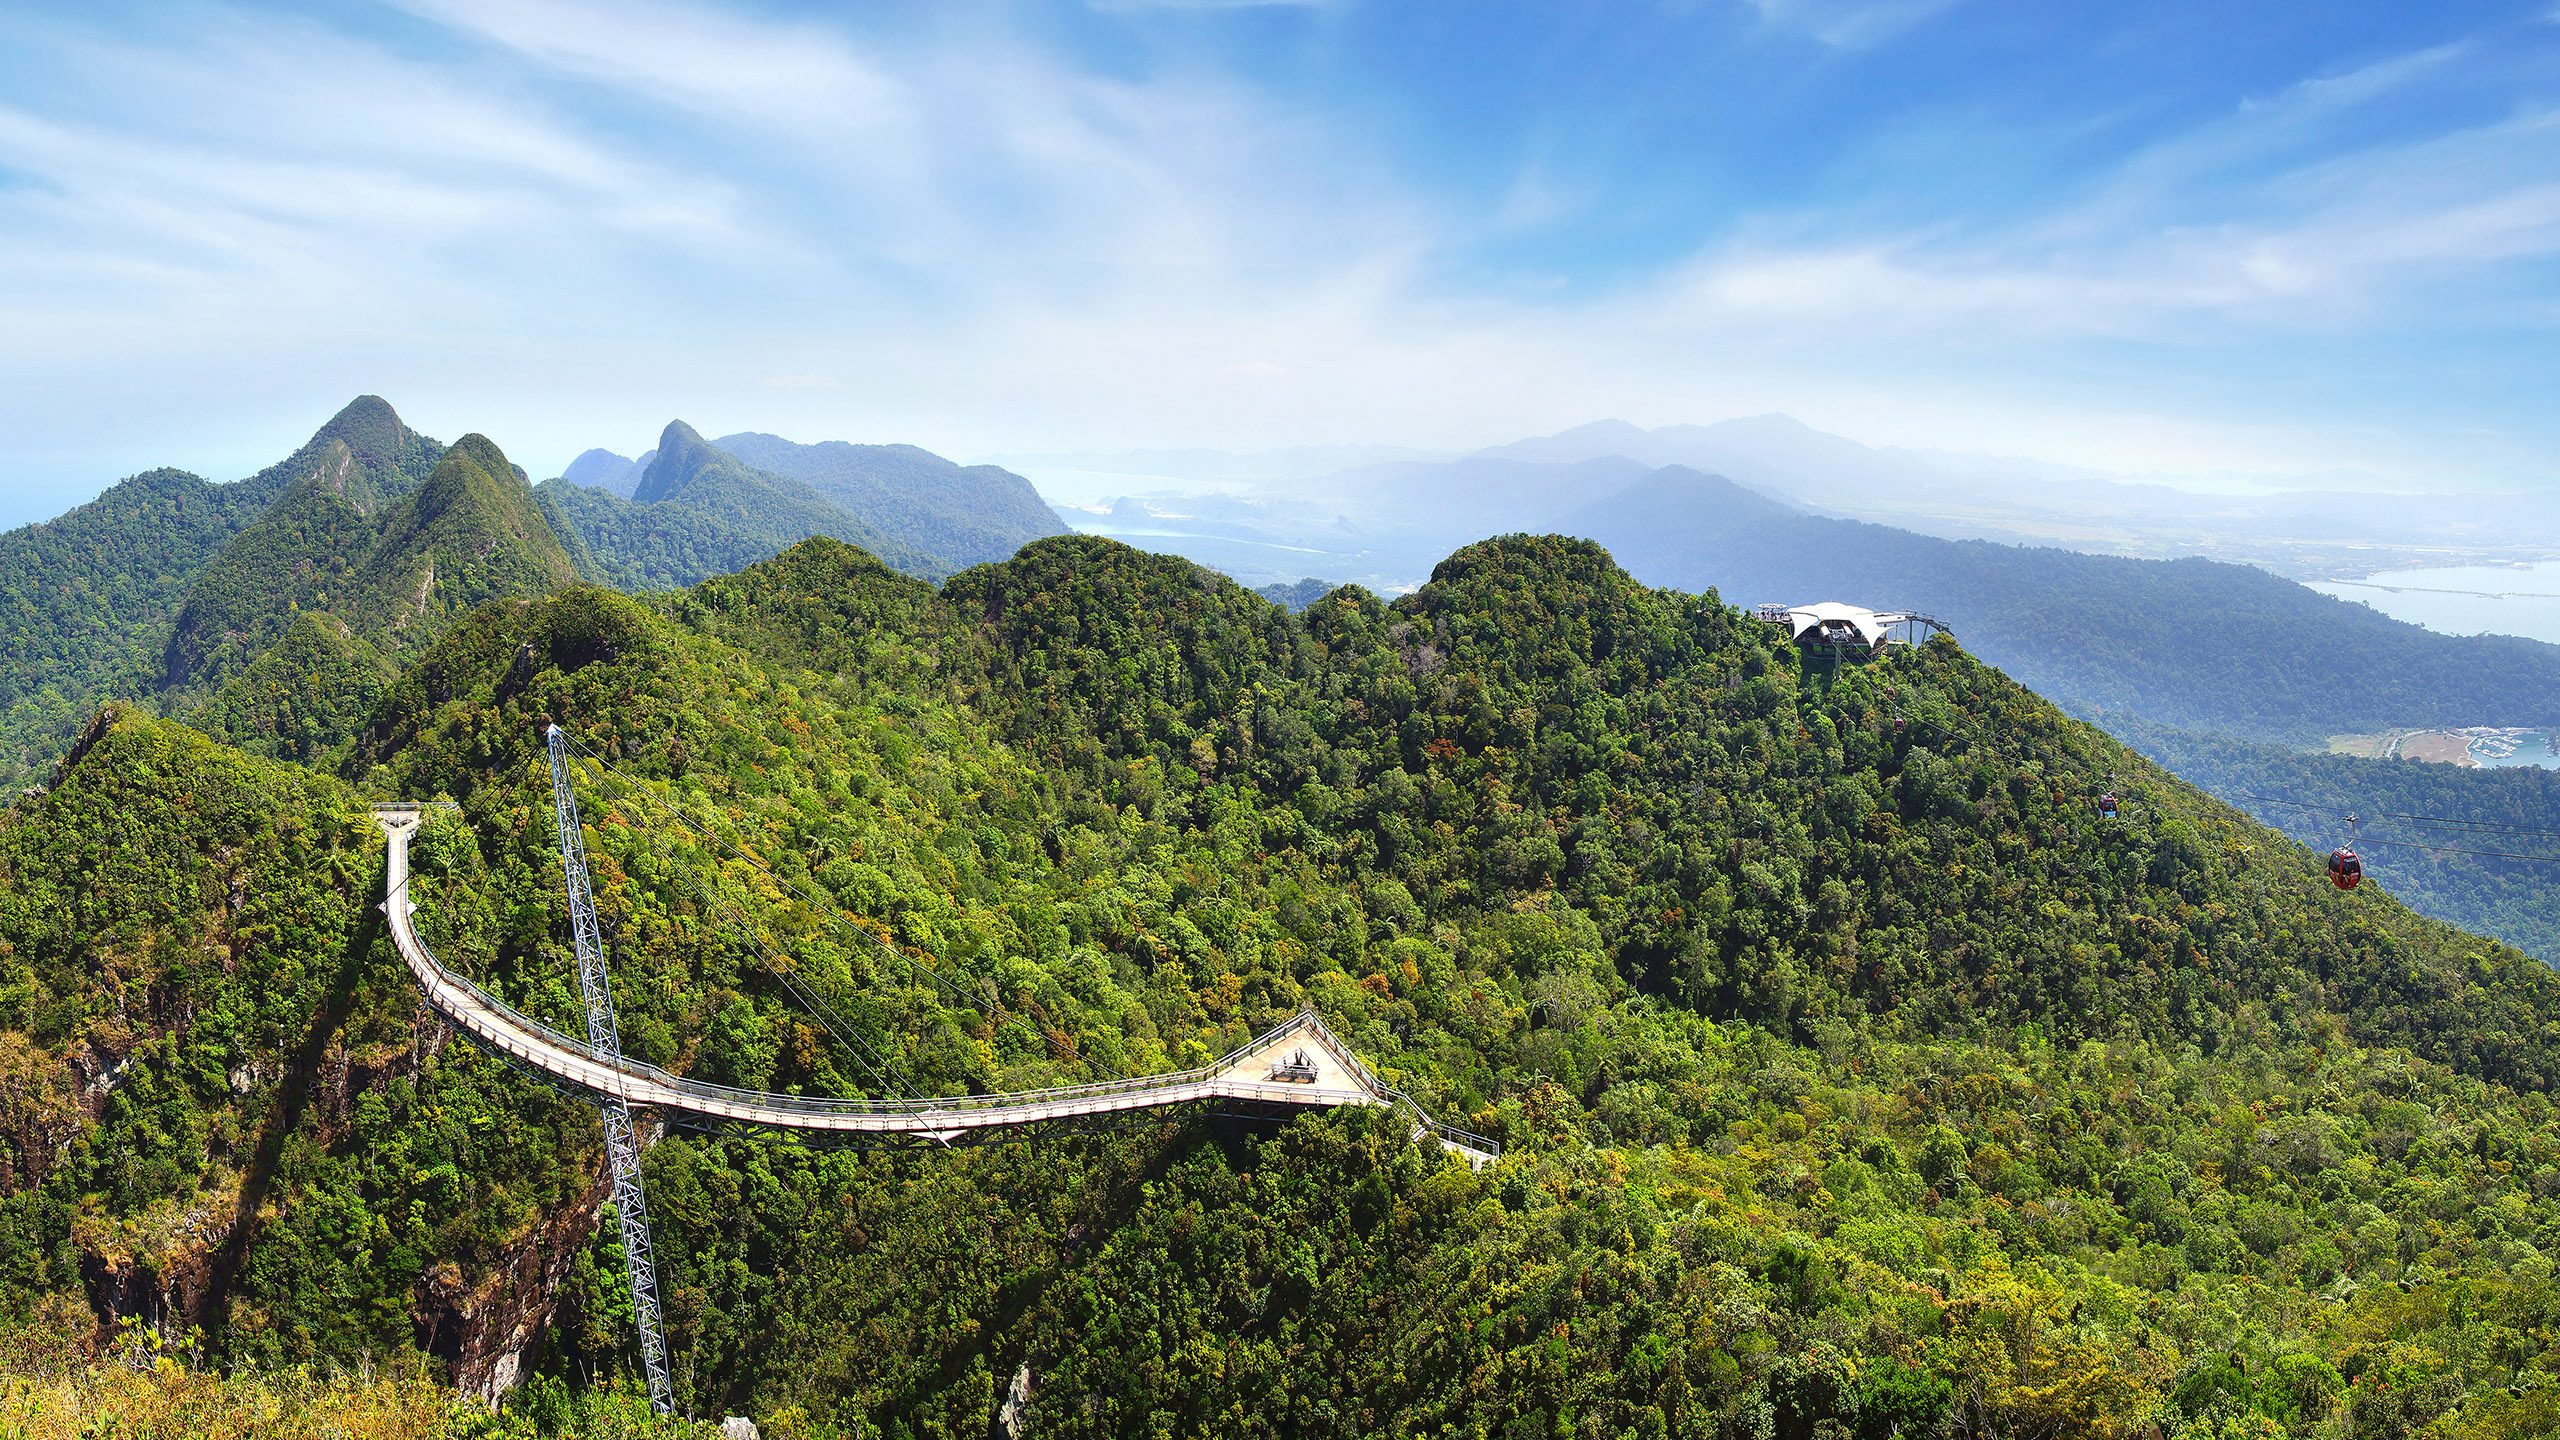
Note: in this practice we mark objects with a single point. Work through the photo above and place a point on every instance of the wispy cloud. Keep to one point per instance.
(1849, 24)
(969, 226)
(2325, 241)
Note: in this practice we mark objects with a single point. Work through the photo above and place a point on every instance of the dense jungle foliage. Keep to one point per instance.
(2401, 805)
(2198, 644)
(86, 601)
(1854, 1078)
(311, 690)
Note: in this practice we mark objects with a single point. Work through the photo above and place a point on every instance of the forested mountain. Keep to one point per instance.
(305, 693)
(92, 597)
(967, 515)
(2194, 644)
(1296, 596)
(89, 599)
(385, 569)
(604, 470)
(168, 589)
(1854, 1079)
(305, 551)
(698, 511)
(471, 534)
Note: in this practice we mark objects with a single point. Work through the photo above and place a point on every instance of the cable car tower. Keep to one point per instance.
(622, 1147)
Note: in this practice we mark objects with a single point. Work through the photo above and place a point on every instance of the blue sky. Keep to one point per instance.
(2216, 240)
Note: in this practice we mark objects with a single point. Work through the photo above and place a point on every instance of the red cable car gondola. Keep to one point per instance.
(2107, 807)
(2345, 870)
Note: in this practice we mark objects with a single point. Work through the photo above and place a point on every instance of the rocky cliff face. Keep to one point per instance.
(223, 1106)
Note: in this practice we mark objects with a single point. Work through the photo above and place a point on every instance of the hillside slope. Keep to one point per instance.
(1853, 1080)
(470, 534)
(967, 515)
(2194, 644)
(88, 601)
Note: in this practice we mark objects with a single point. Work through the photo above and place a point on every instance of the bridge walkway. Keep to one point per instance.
(1299, 1064)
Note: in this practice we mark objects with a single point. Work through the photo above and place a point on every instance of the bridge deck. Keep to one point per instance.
(1300, 1063)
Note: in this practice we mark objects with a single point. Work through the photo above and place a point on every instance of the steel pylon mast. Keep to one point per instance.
(621, 1146)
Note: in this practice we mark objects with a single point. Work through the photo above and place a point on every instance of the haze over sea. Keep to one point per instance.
(2465, 599)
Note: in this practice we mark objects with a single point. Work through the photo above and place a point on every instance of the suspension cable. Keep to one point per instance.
(993, 1008)
(720, 910)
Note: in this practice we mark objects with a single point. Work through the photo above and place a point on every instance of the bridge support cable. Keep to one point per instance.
(622, 1150)
(873, 1063)
(993, 1008)
(677, 813)
(869, 1057)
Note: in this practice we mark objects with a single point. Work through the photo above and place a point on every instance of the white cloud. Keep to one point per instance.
(1849, 24)
(604, 216)
(2327, 243)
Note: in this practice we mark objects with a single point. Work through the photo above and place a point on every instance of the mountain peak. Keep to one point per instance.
(471, 533)
(372, 430)
(601, 469)
(682, 454)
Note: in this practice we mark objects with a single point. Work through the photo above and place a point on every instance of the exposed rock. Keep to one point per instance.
(487, 1331)
(1017, 1399)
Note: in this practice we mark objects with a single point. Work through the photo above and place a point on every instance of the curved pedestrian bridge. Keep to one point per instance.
(1300, 1064)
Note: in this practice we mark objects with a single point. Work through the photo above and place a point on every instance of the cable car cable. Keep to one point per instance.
(2430, 822)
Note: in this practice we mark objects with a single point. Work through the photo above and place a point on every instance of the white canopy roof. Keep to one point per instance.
(1806, 621)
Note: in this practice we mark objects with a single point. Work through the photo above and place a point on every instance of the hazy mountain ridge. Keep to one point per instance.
(603, 470)
(2306, 532)
(2194, 643)
(966, 515)
(734, 509)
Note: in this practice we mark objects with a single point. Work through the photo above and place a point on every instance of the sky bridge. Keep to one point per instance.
(1300, 1064)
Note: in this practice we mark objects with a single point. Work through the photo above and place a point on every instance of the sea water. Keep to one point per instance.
(2532, 748)
(2466, 599)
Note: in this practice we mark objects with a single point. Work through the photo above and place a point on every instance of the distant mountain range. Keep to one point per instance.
(2198, 644)
(272, 612)
(2194, 643)
(2330, 526)
(908, 501)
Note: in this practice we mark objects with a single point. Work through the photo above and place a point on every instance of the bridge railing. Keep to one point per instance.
(1412, 1109)
(816, 1105)
(822, 1106)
